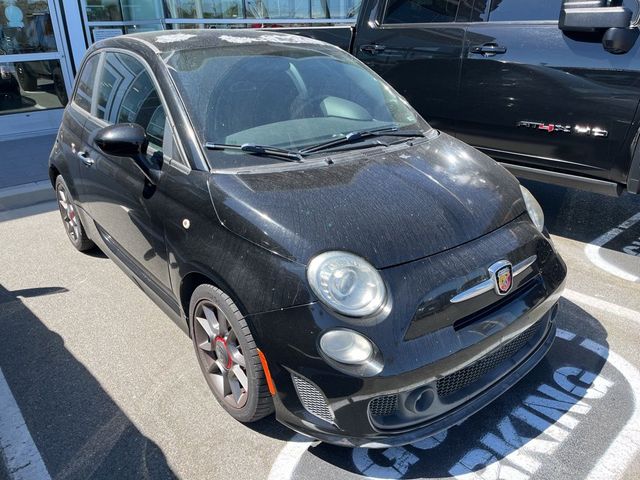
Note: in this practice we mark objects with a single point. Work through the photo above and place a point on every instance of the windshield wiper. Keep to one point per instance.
(282, 153)
(391, 131)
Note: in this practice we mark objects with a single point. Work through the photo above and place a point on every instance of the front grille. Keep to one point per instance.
(385, 405)
(312, 399)
(466, 376)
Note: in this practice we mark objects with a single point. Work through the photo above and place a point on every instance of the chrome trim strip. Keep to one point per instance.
(518, 268)
(487, 285)
(474, 291)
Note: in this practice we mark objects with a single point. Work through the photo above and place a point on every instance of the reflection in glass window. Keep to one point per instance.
(25, 27)
(204, 8)
(84, 90)
(126, 94)
(127, 10)
(335, 8)
(517, 10)
(421, 11)
(29, 86)
(277, 8)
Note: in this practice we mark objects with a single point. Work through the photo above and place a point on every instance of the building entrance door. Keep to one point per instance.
(35, 72)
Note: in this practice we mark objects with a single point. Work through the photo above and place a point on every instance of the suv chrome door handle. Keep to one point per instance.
(489, 49)
(372, 49)
(86, 159)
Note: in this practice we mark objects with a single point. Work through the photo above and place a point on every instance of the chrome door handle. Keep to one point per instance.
(372, 49)
(86, 159)
(489, 49)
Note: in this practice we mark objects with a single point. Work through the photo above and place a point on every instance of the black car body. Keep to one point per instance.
(550, 89)
(433, 218)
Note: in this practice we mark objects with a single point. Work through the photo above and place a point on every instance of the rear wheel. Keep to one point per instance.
(70, 219)
(227, 355)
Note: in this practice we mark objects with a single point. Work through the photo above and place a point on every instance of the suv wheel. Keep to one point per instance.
(227, 355)
(70, 219)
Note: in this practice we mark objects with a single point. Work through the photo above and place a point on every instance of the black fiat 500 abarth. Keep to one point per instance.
(332, 256)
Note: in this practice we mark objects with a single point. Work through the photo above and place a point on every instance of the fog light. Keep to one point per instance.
(346, 346)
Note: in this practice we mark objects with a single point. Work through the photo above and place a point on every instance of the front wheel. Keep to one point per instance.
(228, 355)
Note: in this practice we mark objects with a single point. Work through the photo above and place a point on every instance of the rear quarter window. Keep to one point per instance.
(86, 80)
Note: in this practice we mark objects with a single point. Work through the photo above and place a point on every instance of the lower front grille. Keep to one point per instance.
(312, 399)
(385, 405)
(464, 377)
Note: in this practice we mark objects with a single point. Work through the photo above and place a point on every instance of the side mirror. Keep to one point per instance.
(122, 140)
(592, 15)
(128, 140)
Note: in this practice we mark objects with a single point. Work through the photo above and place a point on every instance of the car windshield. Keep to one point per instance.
(290, 96)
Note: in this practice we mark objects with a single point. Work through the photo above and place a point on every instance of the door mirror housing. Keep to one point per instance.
(122, 140)
(128, 140)
(591, 16)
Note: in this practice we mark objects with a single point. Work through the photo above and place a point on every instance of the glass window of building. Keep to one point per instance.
(29, 82)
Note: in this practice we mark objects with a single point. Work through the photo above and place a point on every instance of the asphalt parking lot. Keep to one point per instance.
(108, 386)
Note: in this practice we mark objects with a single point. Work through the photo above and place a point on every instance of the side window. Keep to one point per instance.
(126, 94)
(519, 10)
(84, 91)
(421, 11)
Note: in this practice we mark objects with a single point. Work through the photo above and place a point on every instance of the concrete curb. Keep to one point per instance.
(26, 195)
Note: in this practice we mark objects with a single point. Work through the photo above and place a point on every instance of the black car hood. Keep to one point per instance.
(389, 205)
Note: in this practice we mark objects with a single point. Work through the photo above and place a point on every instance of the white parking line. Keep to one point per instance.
(289, 457)
(592, 250)
(588, 300)
(21, 456)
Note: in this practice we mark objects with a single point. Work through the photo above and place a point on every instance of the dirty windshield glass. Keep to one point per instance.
(289, 96)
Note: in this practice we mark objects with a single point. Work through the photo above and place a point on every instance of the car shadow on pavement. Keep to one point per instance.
(531, 431)
(78, 429)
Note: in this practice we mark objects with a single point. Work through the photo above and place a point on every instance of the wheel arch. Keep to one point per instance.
(193, 280)
(53, 174)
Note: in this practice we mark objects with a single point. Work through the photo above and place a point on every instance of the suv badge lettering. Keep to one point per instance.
(554, 127)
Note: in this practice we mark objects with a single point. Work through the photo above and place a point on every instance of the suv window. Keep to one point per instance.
(126, 94)
(84, 91)
(421, 11)
(520, 10)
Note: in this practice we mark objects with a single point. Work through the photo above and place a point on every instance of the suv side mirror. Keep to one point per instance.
(128, 140)
(592, 15)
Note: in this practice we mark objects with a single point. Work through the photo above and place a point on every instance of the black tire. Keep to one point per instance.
(70, 219)
(218, 350)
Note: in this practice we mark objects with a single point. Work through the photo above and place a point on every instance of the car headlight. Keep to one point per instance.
(534, 209)
(346, 283)
(346, 346)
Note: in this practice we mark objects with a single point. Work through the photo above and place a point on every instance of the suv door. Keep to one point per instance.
(539, 97)
(123, 204)
(416, 46)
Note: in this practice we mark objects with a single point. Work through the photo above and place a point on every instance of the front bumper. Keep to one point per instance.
(460, 366)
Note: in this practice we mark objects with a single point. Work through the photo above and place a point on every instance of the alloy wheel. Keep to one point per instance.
(220, 354)
(68, 213)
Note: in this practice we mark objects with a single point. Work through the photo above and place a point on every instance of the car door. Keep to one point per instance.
(71, 133)
(416, 46)
(124, 205)
(539, 97)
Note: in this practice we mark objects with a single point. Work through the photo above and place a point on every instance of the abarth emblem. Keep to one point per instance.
(502, 275)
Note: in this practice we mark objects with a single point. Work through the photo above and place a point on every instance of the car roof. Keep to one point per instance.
(166, 41)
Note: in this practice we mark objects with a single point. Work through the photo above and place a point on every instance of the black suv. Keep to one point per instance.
(549, 88)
